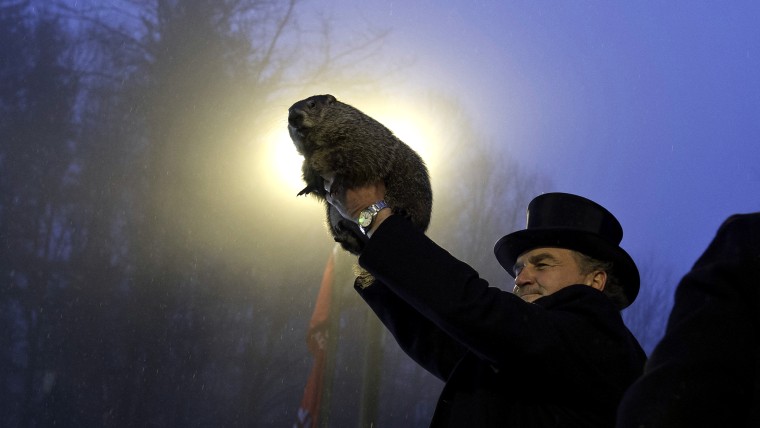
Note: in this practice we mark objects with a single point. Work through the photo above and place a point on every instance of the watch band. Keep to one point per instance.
(367, 216)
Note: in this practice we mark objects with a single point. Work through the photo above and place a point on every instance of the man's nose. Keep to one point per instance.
(524, 277)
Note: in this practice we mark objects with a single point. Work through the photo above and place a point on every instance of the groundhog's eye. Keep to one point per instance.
(311, 104)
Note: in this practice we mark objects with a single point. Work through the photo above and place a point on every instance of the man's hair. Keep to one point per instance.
(612, 288)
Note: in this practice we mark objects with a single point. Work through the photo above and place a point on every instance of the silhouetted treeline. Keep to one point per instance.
(134, 283)
(146, 277)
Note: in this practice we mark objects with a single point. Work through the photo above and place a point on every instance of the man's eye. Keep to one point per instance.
(541, 265)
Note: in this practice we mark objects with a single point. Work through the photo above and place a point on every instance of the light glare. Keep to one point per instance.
(285, 163)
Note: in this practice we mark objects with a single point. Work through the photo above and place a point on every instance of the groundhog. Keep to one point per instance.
(334, 137)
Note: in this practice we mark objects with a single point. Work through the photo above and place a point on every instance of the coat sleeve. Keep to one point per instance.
(709, 353)
(422, 340)
(496, 325)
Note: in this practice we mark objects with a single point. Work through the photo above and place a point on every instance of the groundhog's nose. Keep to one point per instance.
(294, 118)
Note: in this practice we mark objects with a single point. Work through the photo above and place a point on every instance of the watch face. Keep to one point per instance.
(365, 218)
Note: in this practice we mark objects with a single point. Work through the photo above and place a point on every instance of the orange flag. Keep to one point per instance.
(308, 412)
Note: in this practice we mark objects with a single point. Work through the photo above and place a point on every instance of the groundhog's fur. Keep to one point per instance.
(334, 137)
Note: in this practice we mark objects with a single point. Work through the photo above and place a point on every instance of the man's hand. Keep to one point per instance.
(350, 202)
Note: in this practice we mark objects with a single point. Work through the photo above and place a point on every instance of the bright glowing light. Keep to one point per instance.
(279, 164)
(287, 162)
(275, 176)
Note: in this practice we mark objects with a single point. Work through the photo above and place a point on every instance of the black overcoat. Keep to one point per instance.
(563, 361)
(705, 372)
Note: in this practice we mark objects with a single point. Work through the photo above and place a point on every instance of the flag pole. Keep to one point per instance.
(331, 348)
(371, 378)
(321, 340)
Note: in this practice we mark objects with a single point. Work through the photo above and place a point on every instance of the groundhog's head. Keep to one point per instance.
(303, 117)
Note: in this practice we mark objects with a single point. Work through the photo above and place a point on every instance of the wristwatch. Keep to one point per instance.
(367, 216)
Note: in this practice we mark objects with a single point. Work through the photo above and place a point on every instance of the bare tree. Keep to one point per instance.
(36, 209)
(648, 315)
(123, 258)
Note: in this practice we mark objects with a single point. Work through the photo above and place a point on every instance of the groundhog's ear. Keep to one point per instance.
(330, 99)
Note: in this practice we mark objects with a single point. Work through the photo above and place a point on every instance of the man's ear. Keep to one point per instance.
(599, 279)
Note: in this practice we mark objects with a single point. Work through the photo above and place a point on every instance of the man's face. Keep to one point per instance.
(543, 271)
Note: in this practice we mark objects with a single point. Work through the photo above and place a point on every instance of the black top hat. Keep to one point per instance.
(563, 220)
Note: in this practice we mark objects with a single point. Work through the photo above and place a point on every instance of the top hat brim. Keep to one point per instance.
(511, 246)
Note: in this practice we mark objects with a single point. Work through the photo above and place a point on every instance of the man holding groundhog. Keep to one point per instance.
(553, 353)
